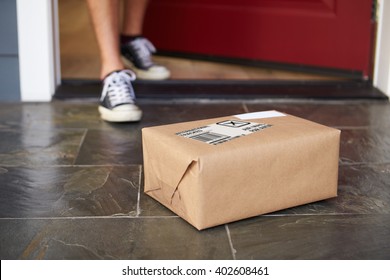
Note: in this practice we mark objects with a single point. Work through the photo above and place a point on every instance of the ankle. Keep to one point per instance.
(125, 39)
(107, 70)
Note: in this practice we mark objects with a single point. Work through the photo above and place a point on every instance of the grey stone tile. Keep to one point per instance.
(344, 114)
(119, 146)
(16, 235)
(312, 237)
(111, 238)
(364, 146)
(167, 113)
(69, 115)
(35, 192)
(55, 115)
(32, 115)
(363, 189)
(43, 146)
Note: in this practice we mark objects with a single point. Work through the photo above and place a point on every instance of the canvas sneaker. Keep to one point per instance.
(117, 102)
(137, 55)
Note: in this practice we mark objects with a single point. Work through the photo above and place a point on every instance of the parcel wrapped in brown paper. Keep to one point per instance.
(215, 171)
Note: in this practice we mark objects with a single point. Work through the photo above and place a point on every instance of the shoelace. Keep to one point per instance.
(118, 88)
(143, 49)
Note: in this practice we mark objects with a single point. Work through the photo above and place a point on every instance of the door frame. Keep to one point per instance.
(382, 50)
(39, 50)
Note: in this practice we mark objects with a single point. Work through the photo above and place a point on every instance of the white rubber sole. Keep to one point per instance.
(124, 113)
(157, 72)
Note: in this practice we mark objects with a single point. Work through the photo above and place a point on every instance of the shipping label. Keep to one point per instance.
(222, 132)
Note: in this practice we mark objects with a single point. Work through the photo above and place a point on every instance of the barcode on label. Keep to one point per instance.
(209, 136)
(221, 132)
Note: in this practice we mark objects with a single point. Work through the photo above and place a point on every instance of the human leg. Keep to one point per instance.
(135, 49)
(117, 101)
(105, 21)
(134, 13)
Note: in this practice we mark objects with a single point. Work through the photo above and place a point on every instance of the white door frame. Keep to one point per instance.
(382, 51)
(39, 51)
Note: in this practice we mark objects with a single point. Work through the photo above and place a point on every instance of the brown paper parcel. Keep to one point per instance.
(279, 161)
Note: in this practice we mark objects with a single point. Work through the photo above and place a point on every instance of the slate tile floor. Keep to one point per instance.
(71, 188)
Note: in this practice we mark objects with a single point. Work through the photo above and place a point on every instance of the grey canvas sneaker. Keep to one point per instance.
(117, 102)
(137, 55)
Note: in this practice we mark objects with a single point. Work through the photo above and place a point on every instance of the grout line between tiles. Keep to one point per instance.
(234, 251)
(91, 217)
(139, 192)
(71, 165)
(177, 217)
(138, 164)
(81, 143)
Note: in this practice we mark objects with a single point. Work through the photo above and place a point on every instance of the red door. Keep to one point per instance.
(333, 34)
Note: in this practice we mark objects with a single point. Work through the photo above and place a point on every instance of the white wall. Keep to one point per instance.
(38, 49)
(382, 55)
